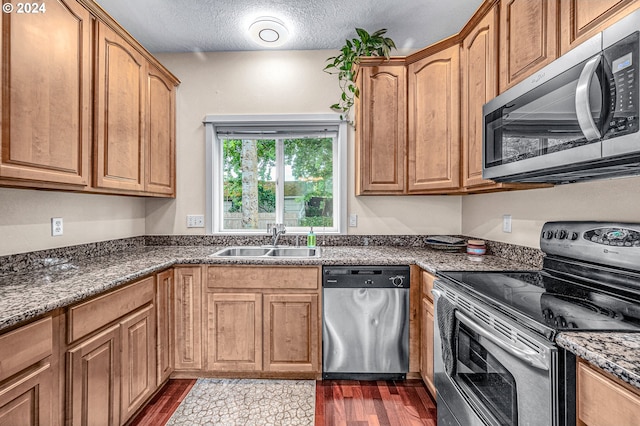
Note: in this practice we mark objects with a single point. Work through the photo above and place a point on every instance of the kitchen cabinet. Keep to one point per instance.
(187, 308)
(580, 20)
(381, 114)
(426, 332)
(26, 374)
(479, 65)
(291, 332)
(87, 110)
(603, 400)
(111, 360)
(528, 38)
(434, 122)
(160, 163)
(120, 112)
(46, 96)
(164, 322)
(264, 320)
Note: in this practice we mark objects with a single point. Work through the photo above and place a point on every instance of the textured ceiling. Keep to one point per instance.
(222, 25)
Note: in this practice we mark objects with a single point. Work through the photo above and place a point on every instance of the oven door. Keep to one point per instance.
(497, 375)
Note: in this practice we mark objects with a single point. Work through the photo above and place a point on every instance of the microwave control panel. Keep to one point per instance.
(622, 72)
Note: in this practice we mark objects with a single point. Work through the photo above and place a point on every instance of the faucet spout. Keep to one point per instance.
(275, 231)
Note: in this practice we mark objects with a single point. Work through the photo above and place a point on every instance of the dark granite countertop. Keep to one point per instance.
(24, 296)
(616, 353)
(27, 295)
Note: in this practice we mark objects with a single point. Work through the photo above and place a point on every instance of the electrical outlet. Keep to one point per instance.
(353, 220)
(56, 226)
(506, 223)
(195, 221)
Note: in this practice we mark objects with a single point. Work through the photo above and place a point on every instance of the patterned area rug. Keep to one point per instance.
(232, 402)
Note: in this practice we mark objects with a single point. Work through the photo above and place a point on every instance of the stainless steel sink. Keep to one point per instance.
(294, 252)
(253, 251)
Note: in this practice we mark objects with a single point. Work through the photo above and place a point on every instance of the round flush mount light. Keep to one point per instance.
(268, 31)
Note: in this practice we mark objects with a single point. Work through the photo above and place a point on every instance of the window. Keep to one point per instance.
(276, 169)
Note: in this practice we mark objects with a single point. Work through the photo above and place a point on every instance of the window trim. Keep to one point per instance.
(214, 162)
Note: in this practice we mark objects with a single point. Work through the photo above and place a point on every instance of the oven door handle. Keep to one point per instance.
(532, 358)
(583, 106)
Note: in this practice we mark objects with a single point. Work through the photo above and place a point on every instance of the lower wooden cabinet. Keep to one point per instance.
(187, 310)
(263, 321)
(164, 324)
(26, 374)
(291, 332)
(603, 400)
(111, 367)
(234, 331)
(426, 332)
(93, 389)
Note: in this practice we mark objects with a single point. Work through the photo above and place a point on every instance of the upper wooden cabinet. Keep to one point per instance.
(381, 129)
(479, 59)
(580, 19)
(434, 122)
(120, 113)
(528, 38)
(160, 170)
(46, 95)
(88, 109)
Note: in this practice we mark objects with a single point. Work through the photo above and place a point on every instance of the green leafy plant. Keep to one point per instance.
(366, 45)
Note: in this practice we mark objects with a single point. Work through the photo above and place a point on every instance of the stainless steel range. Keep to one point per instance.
(496, 362)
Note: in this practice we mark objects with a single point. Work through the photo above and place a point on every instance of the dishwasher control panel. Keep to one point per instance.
(366, 276)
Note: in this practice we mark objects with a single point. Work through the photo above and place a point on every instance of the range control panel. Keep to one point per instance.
(607, 243)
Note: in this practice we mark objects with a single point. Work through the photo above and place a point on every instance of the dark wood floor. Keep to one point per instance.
(338, 402)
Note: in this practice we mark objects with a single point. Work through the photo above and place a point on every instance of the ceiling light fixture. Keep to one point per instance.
(268, 31)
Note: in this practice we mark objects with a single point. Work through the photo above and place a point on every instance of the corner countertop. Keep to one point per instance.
(24, 296)
(616, 353)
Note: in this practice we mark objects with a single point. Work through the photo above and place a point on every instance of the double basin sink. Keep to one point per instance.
(258, 251)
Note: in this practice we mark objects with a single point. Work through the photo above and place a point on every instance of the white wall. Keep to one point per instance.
(25, 219)
(268, 82)
(607, 200)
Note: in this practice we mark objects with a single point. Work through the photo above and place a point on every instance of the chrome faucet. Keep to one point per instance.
(275, 230)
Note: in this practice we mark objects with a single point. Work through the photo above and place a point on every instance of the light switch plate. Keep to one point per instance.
(506, 223)
(195, 221)
(56, 226)
(353, 220)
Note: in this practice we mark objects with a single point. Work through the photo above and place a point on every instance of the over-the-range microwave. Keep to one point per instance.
(575, 119)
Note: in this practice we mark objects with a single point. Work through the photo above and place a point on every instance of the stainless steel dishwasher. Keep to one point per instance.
(365, 332)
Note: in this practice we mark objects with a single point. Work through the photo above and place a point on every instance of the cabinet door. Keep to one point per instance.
(291, 333)
(138, 365)
(580, 20)
(381, 130)
(603, 400)
(187, 306)
(46, 94)
(160, 147)
(27, 401)
(120, 111)
(434, 122)
(426, 342)
(164, 324)
(93, 391)
(479, 64)
(234, 331)
(528, 38)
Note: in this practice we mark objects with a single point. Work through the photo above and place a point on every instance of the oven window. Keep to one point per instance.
(484, 379)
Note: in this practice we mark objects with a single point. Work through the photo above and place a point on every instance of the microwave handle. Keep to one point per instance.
(530, 357)
(583, 106)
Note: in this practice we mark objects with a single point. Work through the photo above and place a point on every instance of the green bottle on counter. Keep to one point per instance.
(311, 238)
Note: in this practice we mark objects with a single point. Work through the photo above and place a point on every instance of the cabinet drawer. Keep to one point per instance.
(89, 316)
(25, 346)
(272, 277)
(604, 402)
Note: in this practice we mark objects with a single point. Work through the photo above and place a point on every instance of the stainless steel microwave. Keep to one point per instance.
(575, 119)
